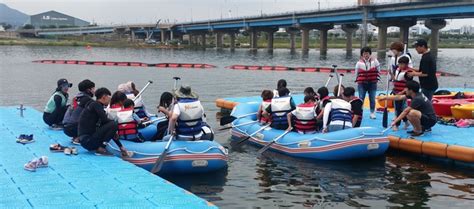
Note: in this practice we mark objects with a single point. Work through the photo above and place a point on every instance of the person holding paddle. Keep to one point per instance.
(188, 119)
(166, 105)
(267, 96)
(367, 75)
(132, 93)
(420, 113)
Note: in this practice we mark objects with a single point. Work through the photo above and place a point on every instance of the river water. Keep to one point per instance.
(276, 181)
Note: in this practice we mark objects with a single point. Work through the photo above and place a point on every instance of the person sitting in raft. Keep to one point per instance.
(356, 106)
(95, 128)
(267, 96)
(280, 84)
(130, 90)
(129, 122)
(304, 116)
(337, 115)
(71, 118)
(309, 91)
(279, 109)
(57, 105)
(116, 104)
(324, 99)
(188, 120)
(400, 78)
(420, 113)
(167, 102)
(367, 75)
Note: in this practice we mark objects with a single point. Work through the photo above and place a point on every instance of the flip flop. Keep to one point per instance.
(68, 151)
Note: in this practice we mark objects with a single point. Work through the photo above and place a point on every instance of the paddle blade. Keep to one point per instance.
(238, 143)
(385, 118)
(226, 120)
(160, 162)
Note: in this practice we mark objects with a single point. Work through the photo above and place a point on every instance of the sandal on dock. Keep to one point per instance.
(57, 148)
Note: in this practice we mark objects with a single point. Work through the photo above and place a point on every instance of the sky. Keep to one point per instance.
(107, 12)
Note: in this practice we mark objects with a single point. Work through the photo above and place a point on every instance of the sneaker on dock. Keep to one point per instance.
(26, 139)
(373, 116)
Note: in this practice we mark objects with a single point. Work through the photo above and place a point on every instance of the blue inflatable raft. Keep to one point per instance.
(183, 156)
(346, 144)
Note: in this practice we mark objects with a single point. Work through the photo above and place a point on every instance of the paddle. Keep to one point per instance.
(329, 79)
(229, 119)
(340, 85)
(161, 159)
(385, 110)
(233, 126)
(176, 79)
(261, 151)
(154, 120)
(143, 89)
(335, 71)
(249, 136)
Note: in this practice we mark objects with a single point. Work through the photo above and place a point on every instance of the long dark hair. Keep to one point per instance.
(117, 97)
(281, 83)
(166, 99)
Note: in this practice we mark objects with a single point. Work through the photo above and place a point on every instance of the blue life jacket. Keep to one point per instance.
(280, 107)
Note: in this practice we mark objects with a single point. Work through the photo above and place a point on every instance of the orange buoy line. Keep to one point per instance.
(132, 64)
(311, 69)
(434, 149)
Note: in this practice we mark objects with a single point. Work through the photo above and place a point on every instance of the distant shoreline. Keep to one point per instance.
(278, 44)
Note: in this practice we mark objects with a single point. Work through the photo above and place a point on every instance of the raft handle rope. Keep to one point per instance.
(361, 137)
(171, 151)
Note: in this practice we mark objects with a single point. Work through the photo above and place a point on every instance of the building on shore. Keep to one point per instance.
(53, 19)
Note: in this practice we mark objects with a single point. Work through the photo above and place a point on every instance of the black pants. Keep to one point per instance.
(70, 130)
(399, 107)
(56, 117)
(161, 129)
(100, 138)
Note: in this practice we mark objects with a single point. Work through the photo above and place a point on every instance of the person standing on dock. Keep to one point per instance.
(398, 51)
(420, 113)
(95, 128)
(71, 118)
(427, 71)
(367, 75)
(56, 106)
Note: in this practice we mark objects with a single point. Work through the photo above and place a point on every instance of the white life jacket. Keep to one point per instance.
(190, 118)
(280, 107)
(341, 112)
(126, 124)
(112, 112)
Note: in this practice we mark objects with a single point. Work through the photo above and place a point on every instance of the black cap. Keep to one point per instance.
(64, 82)
(420, 42)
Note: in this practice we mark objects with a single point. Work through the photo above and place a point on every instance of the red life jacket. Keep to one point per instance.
(400, 83)
(360, 116)
(321, 104)
(126, 124)
(305, 119)
(265, 104)
(368, 75)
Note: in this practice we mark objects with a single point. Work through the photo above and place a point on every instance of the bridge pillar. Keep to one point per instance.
(305, 40)
(132, 34)
(171, 35)
(349, 29)
(292, 32)
(232, 41)
(382, 42)
(203, 40)
(270, 38)
(162, 36)
(253, 40)
(218, 40)
(323, 37)
(435, 25)
(405, 29)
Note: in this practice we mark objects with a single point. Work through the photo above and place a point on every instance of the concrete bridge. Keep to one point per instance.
(402, 15)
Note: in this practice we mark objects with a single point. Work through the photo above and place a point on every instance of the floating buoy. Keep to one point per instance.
(132, 64)
(312, 69)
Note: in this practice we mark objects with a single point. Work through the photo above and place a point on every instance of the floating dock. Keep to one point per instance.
(449, 143)
(77, 181)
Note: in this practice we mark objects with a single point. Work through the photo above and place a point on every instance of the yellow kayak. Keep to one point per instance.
(465, 111)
